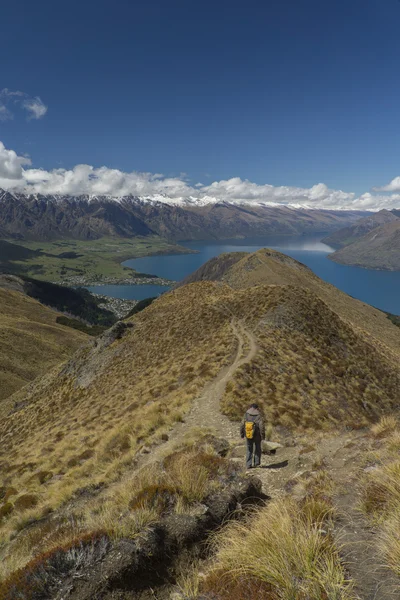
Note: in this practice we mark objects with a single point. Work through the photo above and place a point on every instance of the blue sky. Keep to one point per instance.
(286, 92)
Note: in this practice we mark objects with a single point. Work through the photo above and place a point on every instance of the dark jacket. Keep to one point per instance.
(254, 415)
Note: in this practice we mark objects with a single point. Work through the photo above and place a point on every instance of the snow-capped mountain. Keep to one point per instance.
(41, 217)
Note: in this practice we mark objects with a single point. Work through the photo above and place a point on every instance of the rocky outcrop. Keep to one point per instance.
(100, 568)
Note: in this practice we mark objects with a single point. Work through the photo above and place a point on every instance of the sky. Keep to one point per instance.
(283, 101)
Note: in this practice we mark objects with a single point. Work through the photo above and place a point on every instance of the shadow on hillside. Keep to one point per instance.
(279, 465)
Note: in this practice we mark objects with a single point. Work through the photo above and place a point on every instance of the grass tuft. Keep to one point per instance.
(281, 552)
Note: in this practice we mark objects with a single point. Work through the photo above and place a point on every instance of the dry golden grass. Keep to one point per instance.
(84, 425)
(31, 342)
(389, 541)
(282, 552)
(380, 490)
(269, 267)
(312, 369)
(124, 510)
(386, 425)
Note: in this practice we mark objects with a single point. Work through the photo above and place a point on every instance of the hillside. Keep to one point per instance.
(48, 218)
(76, 302)
(379, 249)
(32, 342)
(270, 267)
(349, 235)
(271, 332)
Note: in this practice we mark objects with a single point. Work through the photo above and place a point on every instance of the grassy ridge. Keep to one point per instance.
(79, 432)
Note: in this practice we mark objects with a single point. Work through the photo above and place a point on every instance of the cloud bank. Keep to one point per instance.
(392, 186)
(16, 173)
(34, 107)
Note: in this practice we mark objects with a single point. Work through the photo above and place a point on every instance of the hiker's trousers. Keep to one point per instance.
(253, 455)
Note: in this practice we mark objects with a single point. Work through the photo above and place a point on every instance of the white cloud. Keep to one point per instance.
(5, 114)
(16, 173)
(393, 186)
(34, 106)
(11, 168)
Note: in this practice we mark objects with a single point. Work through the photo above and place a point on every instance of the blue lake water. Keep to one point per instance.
(379, 288)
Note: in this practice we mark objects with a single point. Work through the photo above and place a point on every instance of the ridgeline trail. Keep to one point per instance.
(341, 453)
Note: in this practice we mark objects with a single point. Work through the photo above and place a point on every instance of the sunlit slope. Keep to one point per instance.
(269, 267)
(31, 342)
(84, 422)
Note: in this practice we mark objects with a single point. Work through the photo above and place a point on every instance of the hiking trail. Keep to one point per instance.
(341, 453)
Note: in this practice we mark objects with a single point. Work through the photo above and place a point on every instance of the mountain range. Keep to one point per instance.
(372, 242)
(39, 217)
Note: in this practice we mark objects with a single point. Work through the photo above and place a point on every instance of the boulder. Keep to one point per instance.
(220, 445)
(270, 447)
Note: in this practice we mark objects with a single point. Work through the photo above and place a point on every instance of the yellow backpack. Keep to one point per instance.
(249, 428)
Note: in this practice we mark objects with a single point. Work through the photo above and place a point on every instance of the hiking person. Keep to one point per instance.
(253, 429)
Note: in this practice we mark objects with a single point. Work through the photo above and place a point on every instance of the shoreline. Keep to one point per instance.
(80, 281)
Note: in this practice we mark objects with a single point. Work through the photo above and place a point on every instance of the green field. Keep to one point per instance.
(78, 262)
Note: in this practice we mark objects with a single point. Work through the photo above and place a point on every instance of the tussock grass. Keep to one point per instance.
(126, 509)
(78, 438)
(312, 369)
(386, 425)
(32, 342)
(189, 579)
(380, 490)
(389, 541)
(282, 552)
(85, 425)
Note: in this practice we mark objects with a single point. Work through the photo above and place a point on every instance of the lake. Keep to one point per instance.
(379, 288)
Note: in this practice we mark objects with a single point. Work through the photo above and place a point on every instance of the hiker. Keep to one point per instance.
(253, 429)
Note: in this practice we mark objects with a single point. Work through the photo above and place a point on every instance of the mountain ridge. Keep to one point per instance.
(378, 249)
(45, 217)
(348, 235)
(76, 454)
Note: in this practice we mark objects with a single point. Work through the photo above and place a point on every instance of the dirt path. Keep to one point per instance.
(341, 453)
(205, 411)
(354, 532)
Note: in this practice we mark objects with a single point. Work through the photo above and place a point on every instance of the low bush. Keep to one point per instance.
(38, 579)
(26, 501)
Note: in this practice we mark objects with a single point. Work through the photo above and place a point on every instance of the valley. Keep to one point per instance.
(79, 263)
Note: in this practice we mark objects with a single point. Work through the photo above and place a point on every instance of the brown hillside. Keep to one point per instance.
(349, 235)
(69, 455)
(269, 267)
(85, 422)
(31, 340)
(379, 249)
